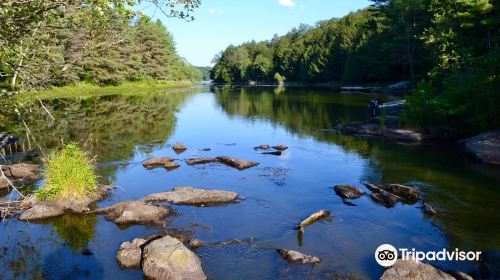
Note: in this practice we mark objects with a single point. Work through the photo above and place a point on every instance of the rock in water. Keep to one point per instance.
(21, 171)
(409, 269)
(348, 191)
(280, 147)
(192, 196)
(428, 209)
(239, 164)
(168, 258)
(165, 162)
(484, 147)
(195, 161)
(384, 198)
(38, 210)
(136, 212)
(262, 147)
(130, 253)
(407, 194)
(314, 218)
(297, 257)
(179, 148)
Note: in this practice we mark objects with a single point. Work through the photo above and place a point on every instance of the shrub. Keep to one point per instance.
(69, 173)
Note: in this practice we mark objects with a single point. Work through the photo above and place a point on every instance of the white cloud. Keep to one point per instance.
(215, 11)
(287, 3)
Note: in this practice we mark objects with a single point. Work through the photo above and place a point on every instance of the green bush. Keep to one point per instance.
(69, 173)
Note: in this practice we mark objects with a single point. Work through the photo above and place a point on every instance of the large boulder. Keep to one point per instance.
(136, 212)
(24, 171)
(192, 196)
(297, 257)
(38, 210)
(168, 258)
(484, 147)
(165, 162)
(409, 269)
(239, 164)
(348, 191)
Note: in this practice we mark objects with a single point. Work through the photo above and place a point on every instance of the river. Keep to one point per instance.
(277, 194)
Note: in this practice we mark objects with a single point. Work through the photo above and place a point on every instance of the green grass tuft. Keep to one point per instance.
(69, 173)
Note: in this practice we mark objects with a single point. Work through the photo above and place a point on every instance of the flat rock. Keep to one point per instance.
(136, 212)
(43, 210)
(297, 257)
(24, 171)
(193, 196)
(388, 133)
(195, 161)
(168, 258)
(239, 164)
(409, 269)
(280, 147)
(484, 147)
(130, 253)
(165, 162)
(262, 147)
(348, 191)
(38, 210)
(179, 148)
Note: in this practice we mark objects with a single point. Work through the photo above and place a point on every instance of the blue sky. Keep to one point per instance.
(220, 23)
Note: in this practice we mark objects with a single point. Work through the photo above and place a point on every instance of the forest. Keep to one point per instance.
(63, 42)
(447, 50)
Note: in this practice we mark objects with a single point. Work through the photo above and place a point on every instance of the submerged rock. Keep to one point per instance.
(179, 148)
(262, 147)
(297, 257)
(168, 258)
(409, 269)
(192, 196)
(136, 212)
(389, 133)
(38, 210)
(428, 209)
(24, 171)
(195, 161)
(165, 162)
(239, 164)
(484, 147)
(280, 147)
(348, 191)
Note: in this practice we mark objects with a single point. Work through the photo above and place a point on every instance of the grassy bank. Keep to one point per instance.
(89, 90)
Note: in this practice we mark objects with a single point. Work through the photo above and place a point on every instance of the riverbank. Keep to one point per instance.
(89, 90)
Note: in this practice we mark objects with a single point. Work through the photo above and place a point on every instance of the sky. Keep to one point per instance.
(219, 23)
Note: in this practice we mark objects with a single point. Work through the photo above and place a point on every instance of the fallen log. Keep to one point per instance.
(313, 218)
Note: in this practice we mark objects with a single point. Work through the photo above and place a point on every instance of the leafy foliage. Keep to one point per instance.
(69, 174)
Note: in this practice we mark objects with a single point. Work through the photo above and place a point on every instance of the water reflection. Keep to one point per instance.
(465, 195)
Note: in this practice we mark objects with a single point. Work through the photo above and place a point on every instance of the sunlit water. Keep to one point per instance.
(278, 193)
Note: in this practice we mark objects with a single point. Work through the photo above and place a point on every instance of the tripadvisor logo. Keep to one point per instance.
(387, 255)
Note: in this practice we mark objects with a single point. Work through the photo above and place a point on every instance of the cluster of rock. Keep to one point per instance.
(161, 257)
(170, 164)
(385, 194)
(278, 149)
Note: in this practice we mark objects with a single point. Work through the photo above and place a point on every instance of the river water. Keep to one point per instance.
(277, 194)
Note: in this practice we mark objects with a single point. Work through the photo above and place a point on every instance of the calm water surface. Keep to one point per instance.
(278, 193)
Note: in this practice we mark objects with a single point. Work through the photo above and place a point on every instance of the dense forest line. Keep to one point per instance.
(103, 42)
(447, 49)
